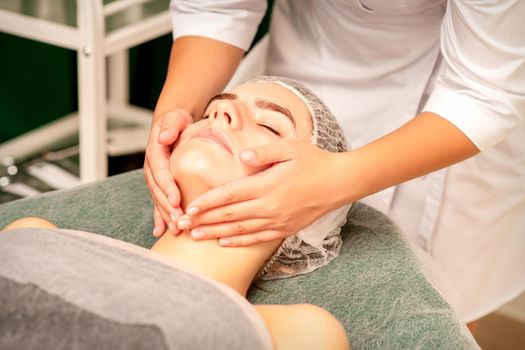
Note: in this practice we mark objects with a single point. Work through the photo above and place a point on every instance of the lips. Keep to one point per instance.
(216, 136)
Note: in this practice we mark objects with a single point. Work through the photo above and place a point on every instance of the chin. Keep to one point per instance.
(202, 166)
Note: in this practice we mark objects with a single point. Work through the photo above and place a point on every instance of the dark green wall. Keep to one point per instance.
(39, 81)
(37, 84)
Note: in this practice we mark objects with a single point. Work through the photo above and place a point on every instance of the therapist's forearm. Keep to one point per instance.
(199, 68)
(423, 145)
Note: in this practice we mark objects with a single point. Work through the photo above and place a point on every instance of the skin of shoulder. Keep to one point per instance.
(303, 326)
(29, 222)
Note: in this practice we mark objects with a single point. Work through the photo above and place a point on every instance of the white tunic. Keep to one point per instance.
(375, 63)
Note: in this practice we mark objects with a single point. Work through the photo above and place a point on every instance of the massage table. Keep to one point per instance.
(380, 288)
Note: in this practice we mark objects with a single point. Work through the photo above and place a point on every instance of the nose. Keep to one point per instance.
(228, 114)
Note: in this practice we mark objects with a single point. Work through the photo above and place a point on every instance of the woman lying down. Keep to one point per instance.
(206, 155)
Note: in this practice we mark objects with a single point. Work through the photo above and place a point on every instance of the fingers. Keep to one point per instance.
(174, 216)
(159, 224)
(158, 195)
(165, 194)
(228, 229)
(157, 173)
(233, 212)
(274, 152)
(156, 163)
(236, 191)
(171, 124)
(165, 181)
(164, 208)
(250, 239)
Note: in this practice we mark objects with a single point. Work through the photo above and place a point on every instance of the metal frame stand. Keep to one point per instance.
(102, 88)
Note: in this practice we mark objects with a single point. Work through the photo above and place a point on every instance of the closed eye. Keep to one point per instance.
(271, 129)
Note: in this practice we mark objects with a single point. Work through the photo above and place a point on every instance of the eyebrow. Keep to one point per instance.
(223, 96)
(265, 104)
(259, 103)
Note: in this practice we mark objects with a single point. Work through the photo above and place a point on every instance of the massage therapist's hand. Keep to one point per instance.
(165, 130)
(271, 204)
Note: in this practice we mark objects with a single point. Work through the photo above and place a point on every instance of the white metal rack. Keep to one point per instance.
(97, 30)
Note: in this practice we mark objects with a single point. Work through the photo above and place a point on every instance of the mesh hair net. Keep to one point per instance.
(317, 244)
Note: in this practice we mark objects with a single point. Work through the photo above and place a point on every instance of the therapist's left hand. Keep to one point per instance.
(272, 204)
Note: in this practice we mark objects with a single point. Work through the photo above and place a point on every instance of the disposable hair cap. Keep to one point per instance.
(319, 243)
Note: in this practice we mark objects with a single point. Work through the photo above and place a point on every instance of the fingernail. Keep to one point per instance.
(224, 242)
(197, 234)
(247, 156)
(171, 199)
(184, 223)
(164, 133)
(156, 231)
(192, 210)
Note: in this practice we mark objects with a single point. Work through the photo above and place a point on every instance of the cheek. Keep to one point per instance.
(196, 161)
(190, 130)
(188, 161)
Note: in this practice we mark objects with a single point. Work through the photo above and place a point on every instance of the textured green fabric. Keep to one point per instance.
(119, 207)
(375, 287)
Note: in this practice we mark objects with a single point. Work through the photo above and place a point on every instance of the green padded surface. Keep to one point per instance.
(119, 207)
(375, 287)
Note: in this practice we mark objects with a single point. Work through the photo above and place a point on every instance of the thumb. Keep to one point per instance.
(274, 152)
(171, 124)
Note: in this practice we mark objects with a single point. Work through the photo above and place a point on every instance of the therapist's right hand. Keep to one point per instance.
(165, 130)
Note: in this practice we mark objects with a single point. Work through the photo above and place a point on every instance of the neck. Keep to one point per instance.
(234, 266)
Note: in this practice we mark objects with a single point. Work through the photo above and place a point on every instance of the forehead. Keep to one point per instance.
(280, 95)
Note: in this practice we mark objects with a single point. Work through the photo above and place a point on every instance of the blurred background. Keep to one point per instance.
(40, 84)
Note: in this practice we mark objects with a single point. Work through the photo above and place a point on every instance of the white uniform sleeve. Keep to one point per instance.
(482, 87)
(231, 21)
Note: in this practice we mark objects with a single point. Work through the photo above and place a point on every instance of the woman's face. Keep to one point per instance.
(253, 114)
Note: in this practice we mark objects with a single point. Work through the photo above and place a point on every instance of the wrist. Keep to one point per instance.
(192, 78)
(175, 112)
(343, 188)
(170, 101)
(349, 183)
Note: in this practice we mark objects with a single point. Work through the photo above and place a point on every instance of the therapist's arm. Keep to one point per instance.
(477, 100)
(199, 68)
(423, 145)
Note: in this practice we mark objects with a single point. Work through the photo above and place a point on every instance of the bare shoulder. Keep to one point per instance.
(303, 326)
(29, 222)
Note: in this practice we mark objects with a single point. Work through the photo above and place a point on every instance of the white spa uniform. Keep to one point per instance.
(375, 63)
